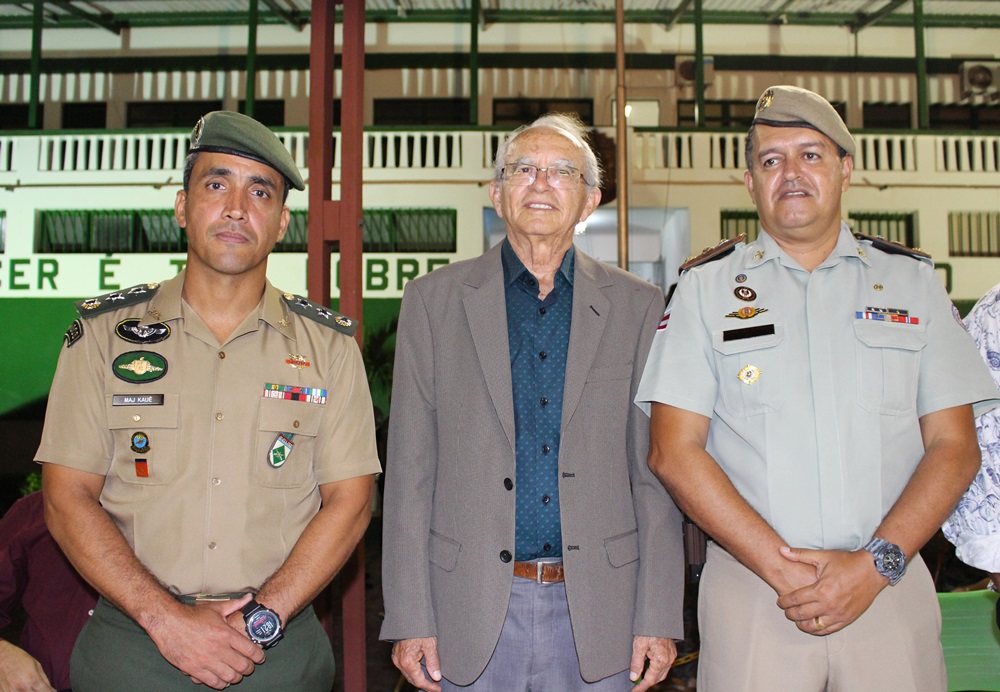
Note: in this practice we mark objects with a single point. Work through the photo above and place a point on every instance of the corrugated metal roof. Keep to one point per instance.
(112, 14)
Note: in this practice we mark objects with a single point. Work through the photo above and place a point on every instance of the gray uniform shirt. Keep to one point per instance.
(815, 381)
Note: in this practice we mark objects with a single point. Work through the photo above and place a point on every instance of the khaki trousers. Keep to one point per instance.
(747, 644)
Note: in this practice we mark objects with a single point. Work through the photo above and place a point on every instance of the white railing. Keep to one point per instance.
(398, 155)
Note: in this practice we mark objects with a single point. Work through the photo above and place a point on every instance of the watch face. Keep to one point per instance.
(892, 559)
(263, 625)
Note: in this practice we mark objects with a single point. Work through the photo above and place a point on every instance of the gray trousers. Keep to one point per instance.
(536, 651)
(114, 654)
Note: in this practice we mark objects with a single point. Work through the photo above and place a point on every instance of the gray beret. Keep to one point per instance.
(789, 106)
(228, 132)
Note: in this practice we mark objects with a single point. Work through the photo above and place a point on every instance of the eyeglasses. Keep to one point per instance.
(523, 174)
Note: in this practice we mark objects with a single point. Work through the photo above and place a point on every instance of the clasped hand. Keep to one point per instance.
(846, 583)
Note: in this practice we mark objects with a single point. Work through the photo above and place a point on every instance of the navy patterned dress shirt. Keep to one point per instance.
(538, 334)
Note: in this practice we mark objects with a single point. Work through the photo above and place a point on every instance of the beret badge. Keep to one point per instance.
(765, 100)
(196, 135)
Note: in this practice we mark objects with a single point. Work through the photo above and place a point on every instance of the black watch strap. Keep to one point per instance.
(250, 607)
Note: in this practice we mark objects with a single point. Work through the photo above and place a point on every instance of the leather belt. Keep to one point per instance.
(541, 572)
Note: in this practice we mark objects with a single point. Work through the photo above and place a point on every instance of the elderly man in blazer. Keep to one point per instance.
(527, 546)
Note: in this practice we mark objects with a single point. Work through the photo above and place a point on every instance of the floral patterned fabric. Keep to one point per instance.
(974, 527)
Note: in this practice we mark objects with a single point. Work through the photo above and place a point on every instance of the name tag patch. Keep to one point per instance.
(747, 332)
(312, 395)
(137, 400)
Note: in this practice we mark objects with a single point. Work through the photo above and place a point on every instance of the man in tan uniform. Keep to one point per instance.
(209, 447)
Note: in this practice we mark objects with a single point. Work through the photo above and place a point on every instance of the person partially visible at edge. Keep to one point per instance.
(526, 544)
(812, 410)
(974, 526)
(209, 448)
(35, 575)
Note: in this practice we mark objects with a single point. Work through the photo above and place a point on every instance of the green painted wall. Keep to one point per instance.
(30, 340)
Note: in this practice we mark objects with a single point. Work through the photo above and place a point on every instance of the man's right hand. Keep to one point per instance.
(20, 672)
(407, 654)
(201, 644)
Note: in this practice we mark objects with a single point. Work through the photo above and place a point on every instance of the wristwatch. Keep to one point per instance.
(263, 624)
(889, 559)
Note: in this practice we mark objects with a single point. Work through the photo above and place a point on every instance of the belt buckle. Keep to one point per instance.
(546, 561)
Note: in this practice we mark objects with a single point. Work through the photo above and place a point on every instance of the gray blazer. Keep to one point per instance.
(447, 513)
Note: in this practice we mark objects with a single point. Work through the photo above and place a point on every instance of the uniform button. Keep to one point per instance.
(508, 483)
(137, 418)
(546, 449)
(505, 556)
(531, 282)
(545, 500)
(541, 311)
(222, 355)
(216, 481)
(543, 401)
(219, 416)
(211, 546)
(543, 355)
(547, 547)
(295, 424)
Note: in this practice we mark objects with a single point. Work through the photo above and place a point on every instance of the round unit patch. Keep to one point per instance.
(140, 442)
(139, 367)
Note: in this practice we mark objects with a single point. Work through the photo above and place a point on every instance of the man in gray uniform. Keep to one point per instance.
(813, 412)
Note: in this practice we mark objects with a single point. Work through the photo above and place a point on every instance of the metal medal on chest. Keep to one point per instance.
(745, 293)
(749, 374)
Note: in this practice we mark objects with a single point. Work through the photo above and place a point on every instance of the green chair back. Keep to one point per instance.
(971, 641)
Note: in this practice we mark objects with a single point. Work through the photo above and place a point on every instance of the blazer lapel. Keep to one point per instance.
(590, 317)
(486, 311)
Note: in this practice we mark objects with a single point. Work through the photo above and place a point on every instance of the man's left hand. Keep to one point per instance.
(660, 653)
(846, 585)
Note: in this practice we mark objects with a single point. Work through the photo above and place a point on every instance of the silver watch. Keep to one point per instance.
(889, 559)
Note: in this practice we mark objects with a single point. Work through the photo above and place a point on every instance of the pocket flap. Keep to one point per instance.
(887, 335)
(282, 415)
(623, 548)
(161, 416)
(443, 551)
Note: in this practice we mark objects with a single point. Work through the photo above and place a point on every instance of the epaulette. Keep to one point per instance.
(318, 313)
(713, 253)
(116, 299)
(894, 248)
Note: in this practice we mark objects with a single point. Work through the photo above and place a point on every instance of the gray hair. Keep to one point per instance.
(748, 149)
(566, 124)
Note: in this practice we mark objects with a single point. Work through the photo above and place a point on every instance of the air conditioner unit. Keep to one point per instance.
(980, 77)
(684, 68)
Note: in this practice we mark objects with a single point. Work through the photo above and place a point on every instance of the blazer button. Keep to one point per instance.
(505, 556)
(508, 483)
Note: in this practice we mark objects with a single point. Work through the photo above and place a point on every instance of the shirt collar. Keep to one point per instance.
(513, 267)
(166, 306)
(765, 248)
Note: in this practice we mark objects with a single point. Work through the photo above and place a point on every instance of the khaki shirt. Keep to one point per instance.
(815, 382)
(186, 431)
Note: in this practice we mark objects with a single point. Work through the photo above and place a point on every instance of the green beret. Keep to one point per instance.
(227, 132)
(789, 106)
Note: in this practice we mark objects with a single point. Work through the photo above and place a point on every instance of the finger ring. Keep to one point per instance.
(819, 623)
